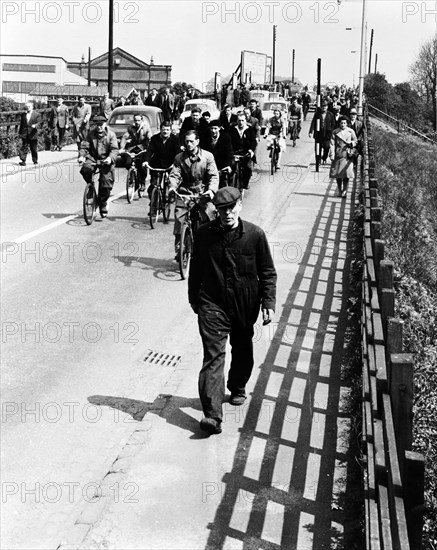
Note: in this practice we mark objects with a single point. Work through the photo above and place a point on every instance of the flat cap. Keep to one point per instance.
(215, 122)
(226, 196)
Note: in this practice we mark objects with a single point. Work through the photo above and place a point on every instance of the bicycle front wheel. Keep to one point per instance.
(185, 251)
(89, 203)
(131, 180)
(155, 207)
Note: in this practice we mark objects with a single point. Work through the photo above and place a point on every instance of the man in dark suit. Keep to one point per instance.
(227, 118)
(322, 126)
(195, 122)
(243, 138)
(59, 122)
(220, 145)
(29, 134)
(166, 104)
(152, 98)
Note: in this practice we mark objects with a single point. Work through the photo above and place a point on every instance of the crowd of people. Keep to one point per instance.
(201, 161)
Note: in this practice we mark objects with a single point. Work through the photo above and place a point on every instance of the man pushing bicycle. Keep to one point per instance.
(194, 173)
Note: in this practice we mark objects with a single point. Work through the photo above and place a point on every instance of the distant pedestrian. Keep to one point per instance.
(107, 105)
(166, 103)
(121, 102)
(151, 99)
(343, 142)
(322, 126)
(231, 276)
(28, 132)
(59, 122)
(81, 121)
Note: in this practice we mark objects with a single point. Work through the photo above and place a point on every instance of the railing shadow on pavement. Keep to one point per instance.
(293, 483)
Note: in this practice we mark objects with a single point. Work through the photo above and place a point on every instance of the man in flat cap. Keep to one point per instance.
(231, 276)
(101, 146)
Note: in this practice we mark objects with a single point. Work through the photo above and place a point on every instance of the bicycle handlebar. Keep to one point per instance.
(161, 169)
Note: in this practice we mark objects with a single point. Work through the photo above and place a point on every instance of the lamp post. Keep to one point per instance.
(111, 52)
(274, 54)
(362, 60)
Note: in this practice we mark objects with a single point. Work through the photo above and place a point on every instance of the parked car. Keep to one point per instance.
(203, 105)
(270, 106)
(123, 117)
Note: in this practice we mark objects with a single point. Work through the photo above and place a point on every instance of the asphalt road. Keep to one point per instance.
(81, 306)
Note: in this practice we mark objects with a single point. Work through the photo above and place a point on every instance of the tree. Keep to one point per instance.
(424, 75)
(8, 104)
(379, 92)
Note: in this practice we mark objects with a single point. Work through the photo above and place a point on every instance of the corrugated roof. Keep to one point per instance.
(80, 90)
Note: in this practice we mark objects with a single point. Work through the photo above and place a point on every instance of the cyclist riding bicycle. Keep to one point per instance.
(99, 145)
(243, 138)
(194, 172)
(161, 152)
(135, 141)
(296, 113)
(276, 128)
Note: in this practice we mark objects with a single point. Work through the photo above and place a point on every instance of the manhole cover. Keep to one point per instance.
(161, 359)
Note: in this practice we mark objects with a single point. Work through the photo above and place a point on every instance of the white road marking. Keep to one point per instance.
(32, 234)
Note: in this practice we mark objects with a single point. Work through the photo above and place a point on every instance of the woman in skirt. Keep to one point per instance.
(342, 154)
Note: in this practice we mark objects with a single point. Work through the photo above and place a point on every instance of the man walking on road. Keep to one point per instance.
(231, 276)
(28, 131)
(59, 122)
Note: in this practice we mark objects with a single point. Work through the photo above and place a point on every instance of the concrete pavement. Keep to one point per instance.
(279, 476)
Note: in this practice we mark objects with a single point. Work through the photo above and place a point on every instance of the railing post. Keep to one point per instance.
(414, 483)
(401, 390)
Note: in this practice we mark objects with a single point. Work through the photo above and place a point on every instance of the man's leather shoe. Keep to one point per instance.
(211, 425)
(22, 163)
(237, 399)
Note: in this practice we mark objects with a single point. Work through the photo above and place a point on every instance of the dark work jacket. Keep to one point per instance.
(222, 151)
(235, 274)
(202, 129)
(241, 145)
(226, 123)
(88, 147)
(160, 154)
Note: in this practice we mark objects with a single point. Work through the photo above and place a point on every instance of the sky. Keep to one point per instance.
(199, 38)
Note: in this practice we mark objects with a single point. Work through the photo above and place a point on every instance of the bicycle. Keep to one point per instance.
(293, 128)
(238, 172)
(159, 196)
(189, 226)
(274, 155)
(90, 197)
(132, 180)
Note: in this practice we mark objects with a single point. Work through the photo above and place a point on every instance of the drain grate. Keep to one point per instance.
(161, 359)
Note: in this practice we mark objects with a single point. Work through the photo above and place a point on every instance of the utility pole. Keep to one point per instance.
(292, 67)
(274, 54)
(362, 61)
(89, 66)
(111, 48)
(370, 54)
(376, 61)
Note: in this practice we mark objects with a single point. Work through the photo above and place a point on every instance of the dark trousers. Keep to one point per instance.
(323, 148)
(106, 181)
(25, 144)
(215, 325)
(58, 136)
